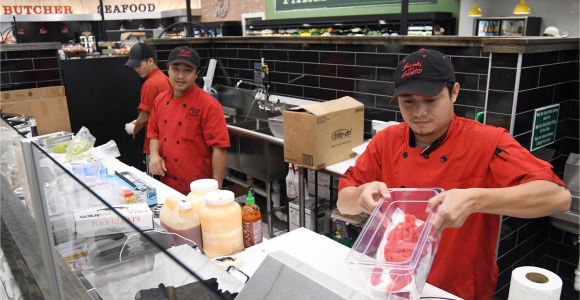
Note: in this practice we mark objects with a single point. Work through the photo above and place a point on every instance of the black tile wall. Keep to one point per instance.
(498, 120)
(502, 79)
(549, 78)
(535, 98)
(357, 72)
(320, 69)
(468, 81)
(471, 98)
(470, 64)
(337, 58)
(29, 69)
(465, 111)
(536, 59)
(385, 74)
(501, 102)
(365, 72)
(529, 78)
(504, 60)
(303, 56)
(377, 60)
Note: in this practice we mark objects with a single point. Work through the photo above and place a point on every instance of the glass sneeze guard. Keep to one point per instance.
(72, 263)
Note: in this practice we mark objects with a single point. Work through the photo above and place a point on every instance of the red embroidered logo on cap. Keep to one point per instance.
(410, 69)
(185, 53)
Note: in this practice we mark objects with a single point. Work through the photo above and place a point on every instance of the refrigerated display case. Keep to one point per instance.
(508, 26)
(40, 202)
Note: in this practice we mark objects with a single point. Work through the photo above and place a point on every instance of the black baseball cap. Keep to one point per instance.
(424, 72)
(139, 52)
(184, 54)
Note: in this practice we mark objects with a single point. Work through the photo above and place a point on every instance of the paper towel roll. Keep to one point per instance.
(533, 283)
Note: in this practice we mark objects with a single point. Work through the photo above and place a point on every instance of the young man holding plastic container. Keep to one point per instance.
(484, 171)
(142, 60)
(187, 128)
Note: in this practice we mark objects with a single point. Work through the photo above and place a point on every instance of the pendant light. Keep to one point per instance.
(522, 8)
(475, 11)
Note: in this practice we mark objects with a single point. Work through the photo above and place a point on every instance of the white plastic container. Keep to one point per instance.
(198, 190)
(379, 257)
(221, 224)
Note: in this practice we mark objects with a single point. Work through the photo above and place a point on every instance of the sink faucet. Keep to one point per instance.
(260, 95)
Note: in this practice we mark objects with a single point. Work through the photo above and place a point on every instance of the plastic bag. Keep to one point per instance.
(81, 143)
(104, 151)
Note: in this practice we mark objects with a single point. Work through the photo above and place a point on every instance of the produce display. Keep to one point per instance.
(327, 31)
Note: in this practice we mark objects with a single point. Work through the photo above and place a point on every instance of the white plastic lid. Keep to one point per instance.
(219, 197)
(203, 186)
(185, 205)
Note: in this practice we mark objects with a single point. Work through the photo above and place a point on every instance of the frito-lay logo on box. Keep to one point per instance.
(341, 134)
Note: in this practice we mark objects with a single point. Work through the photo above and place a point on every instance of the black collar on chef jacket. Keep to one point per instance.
(430, 148)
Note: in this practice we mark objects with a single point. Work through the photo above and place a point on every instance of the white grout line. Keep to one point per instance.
(516, 93)
(487, 99)
(546, 65)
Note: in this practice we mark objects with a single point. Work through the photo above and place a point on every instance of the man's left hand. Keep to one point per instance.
(452, 208)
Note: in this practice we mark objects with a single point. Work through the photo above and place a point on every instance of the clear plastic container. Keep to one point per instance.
(396, 247)
(276, 125)
(221, 224)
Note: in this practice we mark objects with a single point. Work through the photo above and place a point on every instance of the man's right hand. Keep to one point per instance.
(157, 165)
(371, 193)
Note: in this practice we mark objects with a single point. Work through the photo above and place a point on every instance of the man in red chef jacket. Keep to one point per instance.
(484, 171)
(187, 127)
(142, 60)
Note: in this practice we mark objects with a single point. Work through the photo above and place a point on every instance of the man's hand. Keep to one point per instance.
(140, 122)
(371, 193)
(129, 127)
(452, 207)
(157, 165)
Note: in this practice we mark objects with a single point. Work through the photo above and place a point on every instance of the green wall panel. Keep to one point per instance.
(451, 6)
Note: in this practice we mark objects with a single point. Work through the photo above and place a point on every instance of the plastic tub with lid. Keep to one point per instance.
(198, 190)
(396, 247)
(221, 224)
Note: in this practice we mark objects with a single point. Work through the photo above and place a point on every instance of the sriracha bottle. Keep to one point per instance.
(251, 222)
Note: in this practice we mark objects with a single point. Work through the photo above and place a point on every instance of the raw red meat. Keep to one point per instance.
(400, 244)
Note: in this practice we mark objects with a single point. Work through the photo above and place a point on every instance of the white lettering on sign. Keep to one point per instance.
(290, 2)
(124, 8)
(36, 9)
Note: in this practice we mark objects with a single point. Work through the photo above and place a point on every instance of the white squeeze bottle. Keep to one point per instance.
(221, 224)
(291, 189)
(198, 190)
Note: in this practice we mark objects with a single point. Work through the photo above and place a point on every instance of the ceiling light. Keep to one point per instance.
(475, 11)
(522, 8)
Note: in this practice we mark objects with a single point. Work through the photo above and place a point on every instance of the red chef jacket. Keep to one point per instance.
(155, 83)
(187, 128)
(465, 264)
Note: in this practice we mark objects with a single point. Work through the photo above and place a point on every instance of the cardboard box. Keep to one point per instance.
(322, 221)
(47, 105)
(322, 134)
(103, 221)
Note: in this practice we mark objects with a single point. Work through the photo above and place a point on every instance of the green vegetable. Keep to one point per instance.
(59, 148)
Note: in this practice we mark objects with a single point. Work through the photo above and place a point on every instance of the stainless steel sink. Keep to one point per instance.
(569, 220)
(255, 151)
(252, 124)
